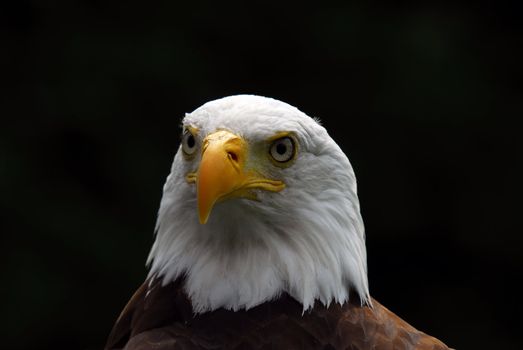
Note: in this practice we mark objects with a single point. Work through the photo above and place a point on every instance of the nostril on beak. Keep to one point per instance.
(232, 155)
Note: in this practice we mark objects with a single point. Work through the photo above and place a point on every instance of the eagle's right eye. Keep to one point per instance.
(188, 143)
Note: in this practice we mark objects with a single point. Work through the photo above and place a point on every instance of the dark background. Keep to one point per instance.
(424, 99)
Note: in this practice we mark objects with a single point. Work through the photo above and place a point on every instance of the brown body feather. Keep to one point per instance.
(161, 318)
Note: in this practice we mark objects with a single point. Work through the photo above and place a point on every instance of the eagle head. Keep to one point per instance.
(260, 201)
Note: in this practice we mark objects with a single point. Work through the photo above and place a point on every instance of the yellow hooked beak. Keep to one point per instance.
(222, 174)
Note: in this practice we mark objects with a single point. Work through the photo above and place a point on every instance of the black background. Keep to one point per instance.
(423, 98)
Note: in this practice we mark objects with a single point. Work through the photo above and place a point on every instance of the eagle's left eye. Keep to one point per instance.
(283, 149)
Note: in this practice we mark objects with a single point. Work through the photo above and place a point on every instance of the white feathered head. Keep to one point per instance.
(260, 201)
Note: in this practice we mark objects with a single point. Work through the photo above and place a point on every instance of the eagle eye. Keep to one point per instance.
(283, 149)
(188, 142)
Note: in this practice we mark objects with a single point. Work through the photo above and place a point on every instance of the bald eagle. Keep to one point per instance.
(259, 242)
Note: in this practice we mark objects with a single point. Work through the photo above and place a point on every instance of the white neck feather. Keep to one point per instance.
(308, 243)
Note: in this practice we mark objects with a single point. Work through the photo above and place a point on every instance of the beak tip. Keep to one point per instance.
(203, 217)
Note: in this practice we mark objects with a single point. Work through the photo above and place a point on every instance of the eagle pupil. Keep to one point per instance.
(190, 141)
(281, 149)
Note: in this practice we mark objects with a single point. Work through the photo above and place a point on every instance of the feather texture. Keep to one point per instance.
(160, 317)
